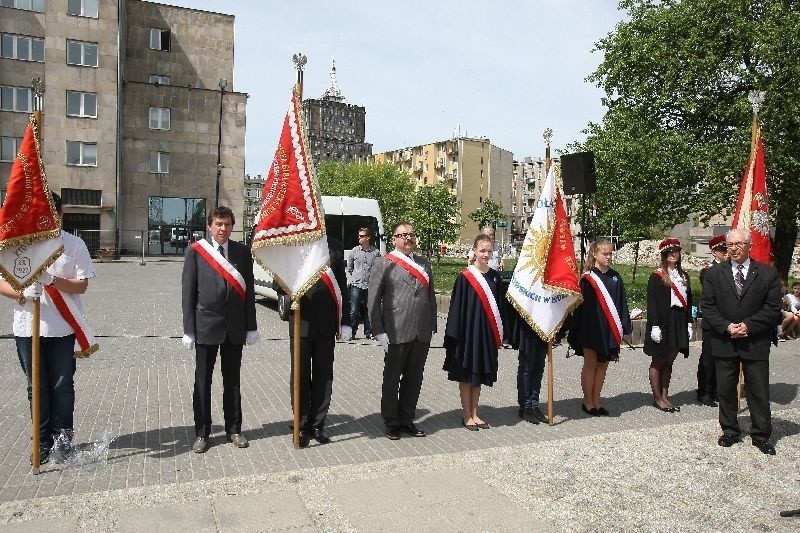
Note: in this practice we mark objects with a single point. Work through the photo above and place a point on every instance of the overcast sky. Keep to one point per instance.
(505, 70)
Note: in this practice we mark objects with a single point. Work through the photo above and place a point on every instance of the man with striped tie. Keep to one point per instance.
(741, 302)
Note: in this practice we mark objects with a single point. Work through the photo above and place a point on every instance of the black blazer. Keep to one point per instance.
(758, 307)
(211, 309)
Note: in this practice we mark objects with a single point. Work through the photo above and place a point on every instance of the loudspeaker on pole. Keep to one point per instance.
(578, 173)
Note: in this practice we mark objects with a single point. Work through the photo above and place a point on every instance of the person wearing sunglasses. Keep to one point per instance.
(359, 264)
(401, 302)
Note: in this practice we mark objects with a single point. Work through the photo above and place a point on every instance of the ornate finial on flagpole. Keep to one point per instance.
(756, 98)
(299, 61)
(37, 85)
(548, 136)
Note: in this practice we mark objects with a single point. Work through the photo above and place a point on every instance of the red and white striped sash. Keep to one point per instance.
(410, 266)
(481, 288)
(679, 292)
(221, 265)
(85, 343)
(606, 304)
(329, 280)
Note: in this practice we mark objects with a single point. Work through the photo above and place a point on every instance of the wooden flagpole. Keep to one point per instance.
(548, 136)
(299, 64)
(38, 90)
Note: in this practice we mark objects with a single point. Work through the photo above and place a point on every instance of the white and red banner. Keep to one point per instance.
(752, 212)
(30, 230)
(606, 304)
(489, 304)
(221, 266)
(678, 291)
(544, 287)
(289, 236)
(415, 269)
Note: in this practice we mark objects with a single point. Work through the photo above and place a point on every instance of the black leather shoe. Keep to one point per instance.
(592, 411)
(602, 411)
(707, 402)
(765, 446)
(413, 430)
(538, 415)
(522, 412)
(726, 441)
(393, 434)
(200, 445)
(304, 439)
(470, 427)
(238, 440)
(320, 436)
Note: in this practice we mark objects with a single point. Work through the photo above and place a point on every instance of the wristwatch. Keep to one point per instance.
(52, 282)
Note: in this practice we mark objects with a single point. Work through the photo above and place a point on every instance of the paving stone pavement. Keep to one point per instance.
(137, 390)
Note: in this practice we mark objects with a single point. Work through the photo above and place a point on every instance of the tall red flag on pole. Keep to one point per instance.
(30, 230)
(752, 211)
(289, 238)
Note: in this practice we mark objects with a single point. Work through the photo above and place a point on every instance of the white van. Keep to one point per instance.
(344, 215)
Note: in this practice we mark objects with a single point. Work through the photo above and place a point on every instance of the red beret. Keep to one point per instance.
(670, 244)
(718, 242)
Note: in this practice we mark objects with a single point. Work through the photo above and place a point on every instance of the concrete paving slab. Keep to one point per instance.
(371, 497)
(188, 516)
(270, 511)
(38, 526)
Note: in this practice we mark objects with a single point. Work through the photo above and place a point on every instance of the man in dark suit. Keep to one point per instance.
(706, 376)
(219, 313)
(324, 314)
(402, 310)
(740, 302)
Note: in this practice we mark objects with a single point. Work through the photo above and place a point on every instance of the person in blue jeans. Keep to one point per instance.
(69, 276)
(359, 263)
(532, 357)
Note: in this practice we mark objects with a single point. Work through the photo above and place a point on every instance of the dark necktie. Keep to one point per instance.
(222, 250)
(739, 279)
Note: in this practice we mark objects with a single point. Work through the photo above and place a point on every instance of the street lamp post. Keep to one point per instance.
(222, 85)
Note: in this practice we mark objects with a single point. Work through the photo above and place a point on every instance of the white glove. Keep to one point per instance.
(34, 290)
(188, 341)
(253, 337)
(345, 333)
(655, 334)
(46, 278)
(383, 338)
(690, 329)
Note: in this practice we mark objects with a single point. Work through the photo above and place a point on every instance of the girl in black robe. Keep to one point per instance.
(470, 343)
(590, 334)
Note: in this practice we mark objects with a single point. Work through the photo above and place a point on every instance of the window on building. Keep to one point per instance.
(82, 8)
(82, 53)
(21, 47)
(81, 196)
(81, 154)
(159, 79)
(27, 5)
(16, 99)
(159, 39)
(9, 147)
(159, 118)
(81, 104)
(159, 162)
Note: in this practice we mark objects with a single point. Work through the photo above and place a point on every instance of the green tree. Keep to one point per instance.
(384, 182)
(488, 214)
(676, 137)
(433, 214)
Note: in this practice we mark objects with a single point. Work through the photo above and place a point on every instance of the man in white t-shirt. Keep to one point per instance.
(70, 275)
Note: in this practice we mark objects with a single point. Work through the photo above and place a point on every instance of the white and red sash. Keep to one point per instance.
(481, 288)
(606, 304)
(410, 266)
(678, 292)
(85, 343)
(329, 280)
(221, 265)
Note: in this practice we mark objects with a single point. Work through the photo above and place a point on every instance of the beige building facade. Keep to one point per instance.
(140, 117)
(472, 168)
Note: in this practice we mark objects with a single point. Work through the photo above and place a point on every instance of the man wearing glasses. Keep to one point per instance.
(402, 310)
(359, 264)
(741, 302)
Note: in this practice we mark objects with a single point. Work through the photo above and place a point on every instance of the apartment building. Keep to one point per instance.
(472, 168)
(141, 123)
(334, 128)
